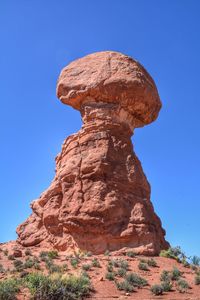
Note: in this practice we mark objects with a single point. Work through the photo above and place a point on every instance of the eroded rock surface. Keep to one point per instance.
(100, 198)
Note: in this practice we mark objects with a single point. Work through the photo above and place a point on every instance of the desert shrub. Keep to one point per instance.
(53, 254)
(198, 272)
(37, 266)
(29, 263)
(197, 280)
(85, 274)
(165, 276)
(195, 260)
(143, 266)
(51, 267)
(124, 286)
(185, 263)
(88, 254)
(5, 252)
(157, 289)
(173, 252)
(56, 288)
(130, 254)
(166, 286)
(193, 267)
(44, 255)
(18, 264)
(8, 289)
(122, 263)
(2, 270)
(74, 262)
(33, 262)
(115, 263)
(86, 267)
(28, 252)
(107, 253)
(151, 262)
(121, 272)
(64, 268)
(110, 276)
(175, 274)
(11, 257)
(182, 286)
(109, 268)
(96, 263)
(136, 280)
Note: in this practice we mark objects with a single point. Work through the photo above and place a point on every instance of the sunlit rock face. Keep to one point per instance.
(100, 198)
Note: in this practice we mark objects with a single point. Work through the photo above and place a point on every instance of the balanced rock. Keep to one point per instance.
(100, 198)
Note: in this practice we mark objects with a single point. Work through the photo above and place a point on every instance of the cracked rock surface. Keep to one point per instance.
(100, 198)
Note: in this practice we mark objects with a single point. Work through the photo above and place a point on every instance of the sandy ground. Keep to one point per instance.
(105, 289)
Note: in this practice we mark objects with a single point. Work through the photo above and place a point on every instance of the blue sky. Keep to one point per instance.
(38, 38)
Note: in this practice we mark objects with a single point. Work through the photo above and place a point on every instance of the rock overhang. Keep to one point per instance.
(110, 77)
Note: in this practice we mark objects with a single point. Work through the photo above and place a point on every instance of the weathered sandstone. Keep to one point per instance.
(100, 197)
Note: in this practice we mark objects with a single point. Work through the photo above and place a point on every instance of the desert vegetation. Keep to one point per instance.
(52, 275)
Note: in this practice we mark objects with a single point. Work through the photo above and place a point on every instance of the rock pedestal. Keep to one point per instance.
(100, 198)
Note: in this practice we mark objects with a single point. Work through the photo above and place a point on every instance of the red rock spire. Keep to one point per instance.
(100, 197)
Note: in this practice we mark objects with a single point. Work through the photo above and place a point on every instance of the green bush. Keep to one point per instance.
(121, 272)
(96, 263)
(86, 267)
(197, 280)
(8, 289)
(165, 276)
(51, 267)
(136, 280)
(174, 253)
(182, 286)
(114, 262)
(88, 254)
(110, 276)
(130, 254)
(74, 262)
(53, 254)
(29, 263)
(157, 289)
(2, 270)
(123, 264)
(11, 257)
(64, 268)
(57, 288)
(44, 255)
(152, 263)
(5, 252)
(109, 268)
(195, 260)
(166, 286)
(124, 286)
(18, 264)
(28, 252)
(175, 274)
(143, 266)
(185, 263)
(107, 253)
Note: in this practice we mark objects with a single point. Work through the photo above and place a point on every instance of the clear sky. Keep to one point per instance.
(38, 38)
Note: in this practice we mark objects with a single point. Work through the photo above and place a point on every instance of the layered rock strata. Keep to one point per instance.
(100, 198)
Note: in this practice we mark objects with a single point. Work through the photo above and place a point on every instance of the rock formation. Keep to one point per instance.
(100, 198)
